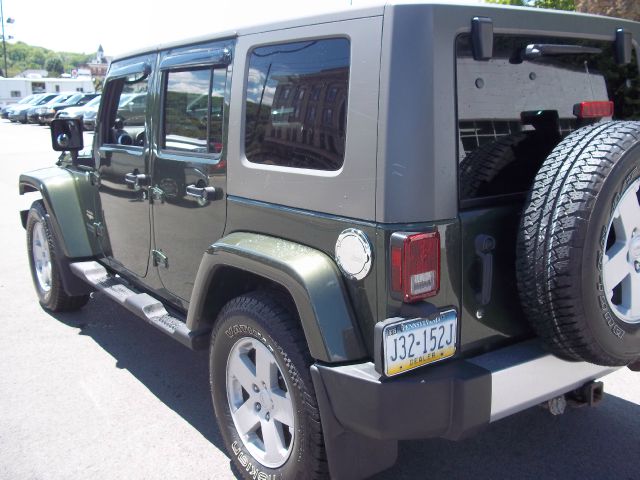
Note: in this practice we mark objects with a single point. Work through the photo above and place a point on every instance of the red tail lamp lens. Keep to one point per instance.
(593, 109)
(415, 265)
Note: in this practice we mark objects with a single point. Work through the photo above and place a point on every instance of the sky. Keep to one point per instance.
(124, 25)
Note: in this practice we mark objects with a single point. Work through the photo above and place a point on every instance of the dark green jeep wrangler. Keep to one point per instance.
(387, 223)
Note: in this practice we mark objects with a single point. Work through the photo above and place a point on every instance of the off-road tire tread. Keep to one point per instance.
(482, 165)
(552, 231)
(59, 301)
(292, 345)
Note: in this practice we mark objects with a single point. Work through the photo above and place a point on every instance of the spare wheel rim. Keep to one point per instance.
(621, 259)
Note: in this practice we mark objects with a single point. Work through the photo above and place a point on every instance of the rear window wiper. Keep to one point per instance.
(537, 50)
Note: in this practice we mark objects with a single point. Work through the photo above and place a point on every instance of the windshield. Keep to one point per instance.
(28, 99)
(94, 102)
(60, 99)
(34, 99)
(124, 99)
(45, 99)
(72, 99)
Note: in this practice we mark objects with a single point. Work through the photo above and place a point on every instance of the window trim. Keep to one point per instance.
(128, 70)
(192, 60)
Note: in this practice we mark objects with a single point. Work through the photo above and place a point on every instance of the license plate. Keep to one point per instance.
(410, 344)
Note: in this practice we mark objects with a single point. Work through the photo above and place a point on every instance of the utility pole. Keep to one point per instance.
(4, 45)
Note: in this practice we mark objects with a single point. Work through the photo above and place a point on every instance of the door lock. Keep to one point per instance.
(159, 259)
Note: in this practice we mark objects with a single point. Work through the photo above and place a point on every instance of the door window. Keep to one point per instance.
(193, 110)
(127, 109)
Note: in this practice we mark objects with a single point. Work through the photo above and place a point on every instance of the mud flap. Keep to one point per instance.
(350, 455)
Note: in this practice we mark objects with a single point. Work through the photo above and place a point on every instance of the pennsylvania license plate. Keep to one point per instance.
(410, 344)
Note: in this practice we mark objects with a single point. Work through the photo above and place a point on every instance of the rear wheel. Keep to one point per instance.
(44, 269)
(262, 391)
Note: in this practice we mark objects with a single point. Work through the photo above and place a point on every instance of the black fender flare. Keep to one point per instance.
(60, 192)
(311, 278)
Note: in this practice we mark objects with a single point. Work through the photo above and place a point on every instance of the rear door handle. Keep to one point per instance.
(201, 193)
(135, 180)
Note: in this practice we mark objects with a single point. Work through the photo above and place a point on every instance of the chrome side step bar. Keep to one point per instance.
(141, 304)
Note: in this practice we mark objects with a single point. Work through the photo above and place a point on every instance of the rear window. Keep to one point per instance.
(514, 109)
(297, 104)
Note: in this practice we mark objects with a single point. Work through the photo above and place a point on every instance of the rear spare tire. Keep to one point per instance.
(578, 252)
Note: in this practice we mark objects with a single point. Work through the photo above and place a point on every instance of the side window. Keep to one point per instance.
(127, 111)
(193, 110)
(296, 96)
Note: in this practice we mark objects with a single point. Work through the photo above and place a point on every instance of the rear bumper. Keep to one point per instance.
(451, 400)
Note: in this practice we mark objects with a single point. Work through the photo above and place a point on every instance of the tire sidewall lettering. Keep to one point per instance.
(238, 327)
(33, 219)
(249, 465)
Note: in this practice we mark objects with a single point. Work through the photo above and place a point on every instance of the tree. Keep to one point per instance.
(55, 65)
(629, 9)
(38, 57)
(555, 4)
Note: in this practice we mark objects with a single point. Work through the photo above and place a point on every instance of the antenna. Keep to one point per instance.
(586, 67)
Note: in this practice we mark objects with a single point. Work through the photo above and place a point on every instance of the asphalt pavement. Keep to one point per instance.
(99, 394)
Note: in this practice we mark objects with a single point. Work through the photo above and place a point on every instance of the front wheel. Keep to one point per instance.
(262, 391)
(44, 268)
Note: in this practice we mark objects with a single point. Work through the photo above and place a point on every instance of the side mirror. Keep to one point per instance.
(66, 134)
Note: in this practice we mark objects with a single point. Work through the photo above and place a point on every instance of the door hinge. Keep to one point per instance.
(159, 259)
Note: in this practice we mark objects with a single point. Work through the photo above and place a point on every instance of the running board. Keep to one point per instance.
(141, 304)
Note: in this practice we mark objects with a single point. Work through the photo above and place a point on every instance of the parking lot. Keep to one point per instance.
(99, 394)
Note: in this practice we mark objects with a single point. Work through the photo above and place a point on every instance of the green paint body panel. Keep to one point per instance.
(67, 194)
(502, 320)
(370, 298)
(319, 232)
(309, 275)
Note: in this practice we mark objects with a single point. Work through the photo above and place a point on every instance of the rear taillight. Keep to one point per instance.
(415, 265)
(593, 109)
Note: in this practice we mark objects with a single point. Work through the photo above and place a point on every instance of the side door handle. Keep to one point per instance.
(135, 180)
(201, 193)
